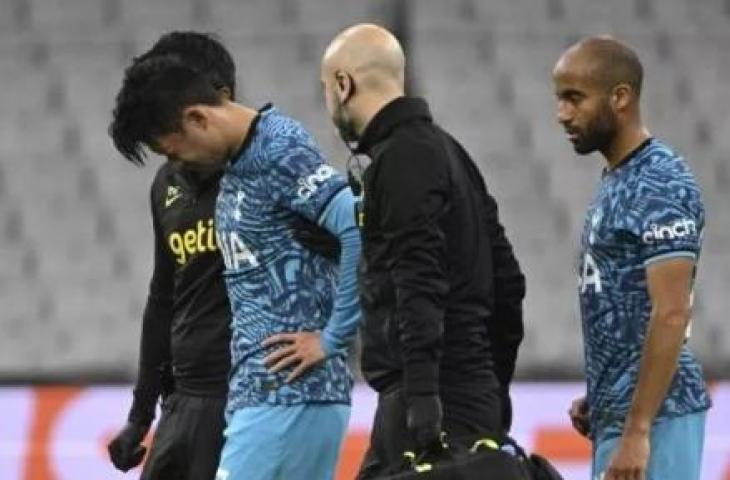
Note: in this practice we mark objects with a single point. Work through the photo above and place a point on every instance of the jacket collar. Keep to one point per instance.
(397, 112)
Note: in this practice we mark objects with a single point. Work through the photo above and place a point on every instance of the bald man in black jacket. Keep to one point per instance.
(441, 289)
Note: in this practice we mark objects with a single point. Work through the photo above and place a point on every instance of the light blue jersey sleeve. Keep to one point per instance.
(669, 216)
(339, 218)
(298, 178)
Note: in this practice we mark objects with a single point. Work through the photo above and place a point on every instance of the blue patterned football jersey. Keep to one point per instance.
(647, 209)
(274, 283)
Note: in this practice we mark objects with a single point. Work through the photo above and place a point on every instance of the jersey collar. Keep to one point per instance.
(635, 153)
(251, 132)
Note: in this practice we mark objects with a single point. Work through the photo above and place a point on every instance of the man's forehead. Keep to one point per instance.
(576, 71)
(567, 75)
(570, 63)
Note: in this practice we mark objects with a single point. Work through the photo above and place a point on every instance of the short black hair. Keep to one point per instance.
(154, 93)
(203, 51)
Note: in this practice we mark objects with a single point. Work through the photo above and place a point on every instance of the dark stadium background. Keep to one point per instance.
(75, 235)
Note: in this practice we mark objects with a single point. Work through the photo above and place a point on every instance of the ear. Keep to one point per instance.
(194, 117)
(344, 86)
(622, 96)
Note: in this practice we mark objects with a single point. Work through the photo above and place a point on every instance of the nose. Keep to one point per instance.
(565, 112)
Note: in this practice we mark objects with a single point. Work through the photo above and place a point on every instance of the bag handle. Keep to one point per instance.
(424, 461)
(484, 443)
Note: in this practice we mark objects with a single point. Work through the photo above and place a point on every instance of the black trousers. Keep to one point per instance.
(188, 440)
(468, 416)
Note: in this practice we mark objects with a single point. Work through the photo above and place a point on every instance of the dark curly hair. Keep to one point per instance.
(203, 51)
(154, 93)
(181, 69)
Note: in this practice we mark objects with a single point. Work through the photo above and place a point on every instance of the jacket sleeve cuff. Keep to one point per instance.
(143, 409)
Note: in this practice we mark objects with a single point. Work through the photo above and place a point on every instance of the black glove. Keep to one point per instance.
(126, 449)
(316, 238)
(423, 418)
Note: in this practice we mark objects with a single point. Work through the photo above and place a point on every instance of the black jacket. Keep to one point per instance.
(187, 316)
(441, 289)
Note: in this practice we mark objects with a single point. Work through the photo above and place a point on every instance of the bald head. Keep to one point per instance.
(363, 69)
(369, 53)
(604, 61)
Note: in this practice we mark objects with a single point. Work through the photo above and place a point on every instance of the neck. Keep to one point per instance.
(241, 119)
(626, 141)
(371, 106)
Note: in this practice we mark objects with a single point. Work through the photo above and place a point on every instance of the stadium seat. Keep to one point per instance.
(17, 263)
(154, 17)
(108, 320)
(16, 17)
(27, 314)
(722, 176)
(28, 84)
(249, 18)
(74, 216)
(330, 16)
(67, 17)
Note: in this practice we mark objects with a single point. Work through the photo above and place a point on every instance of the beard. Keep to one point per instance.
(345, 124)
(598, 134)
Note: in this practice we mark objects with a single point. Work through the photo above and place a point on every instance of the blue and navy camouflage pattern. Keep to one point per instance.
(274, 283)
(647, 209)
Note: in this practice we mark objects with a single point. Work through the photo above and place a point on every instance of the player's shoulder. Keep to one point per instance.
(425, 144)
(163, 174)
(161, 181)
(284, 129)
(665, 185)
(663, 169)
(286, 142)
(659, 159)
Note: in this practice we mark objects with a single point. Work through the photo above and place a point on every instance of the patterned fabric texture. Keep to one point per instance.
(274, 283)
(647, 209)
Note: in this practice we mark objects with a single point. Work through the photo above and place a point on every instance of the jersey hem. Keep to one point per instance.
(669, 255)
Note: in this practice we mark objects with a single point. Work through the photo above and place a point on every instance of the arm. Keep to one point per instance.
(413, 188)
(670, 200)
(155, 340)
(301, 182)
(125, 449)
(505, 329)
(669, 284)
(154, 355)
(306, 349)
(339, 219)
